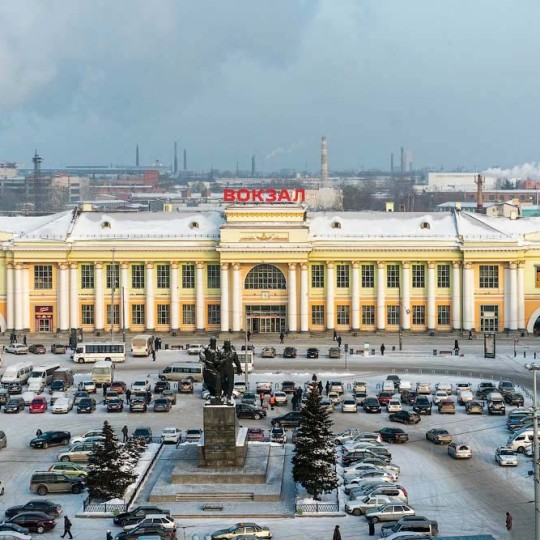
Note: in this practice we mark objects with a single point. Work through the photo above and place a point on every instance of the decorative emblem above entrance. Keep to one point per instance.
(266, 237)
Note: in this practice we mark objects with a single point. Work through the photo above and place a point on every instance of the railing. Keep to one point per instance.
(317, 508)
(92, 506)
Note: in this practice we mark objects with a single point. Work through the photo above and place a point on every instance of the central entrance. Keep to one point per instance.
(266, 319)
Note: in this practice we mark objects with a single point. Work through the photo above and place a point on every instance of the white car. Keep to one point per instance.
(334, 397)
(141, 386)
(36, 386)
(439, 396)
(194, 348)
(17, 348)
(62, 405)
(264, 386)
(350, 446)
(506, 457)
(171, 435)
(162, 520)
(56, 396)
(281, 397)
(447, 387)
(359, 468)
(349, 406)
(357, 507)
(346, 435)
(423, 388)
(93, 433)
(89, 386)
(394, 405)
(240, 386)
(28, 397)
(462, 387)
(459, 450)
(371, 475)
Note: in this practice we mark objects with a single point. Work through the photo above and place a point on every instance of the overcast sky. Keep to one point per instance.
(457, 82)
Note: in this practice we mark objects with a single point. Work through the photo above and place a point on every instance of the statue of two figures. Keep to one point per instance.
(218, 372)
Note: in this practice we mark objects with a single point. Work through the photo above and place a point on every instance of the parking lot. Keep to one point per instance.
(469, 496)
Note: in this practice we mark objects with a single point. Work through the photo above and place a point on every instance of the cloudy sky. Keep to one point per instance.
(456, 81)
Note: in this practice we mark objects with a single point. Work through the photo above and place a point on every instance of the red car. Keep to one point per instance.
(38, 405)
(38, 522)
(255, 434)
(384, 397)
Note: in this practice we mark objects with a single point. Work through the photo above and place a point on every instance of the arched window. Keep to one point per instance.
(265, 276)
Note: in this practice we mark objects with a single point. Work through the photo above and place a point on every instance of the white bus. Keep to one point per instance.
(142, 345)
(94, 352)
(41, 376)
(103, 373)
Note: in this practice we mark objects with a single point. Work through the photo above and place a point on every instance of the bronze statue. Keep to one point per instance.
(229, 360)
(211, 358)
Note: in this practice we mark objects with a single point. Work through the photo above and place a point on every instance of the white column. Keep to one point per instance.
(224, 284)
(18, 297)
(26, 297)
(149, 300)
(468, 297)
(506, 295)
(63, 297)
(406, 296)
(330, 308)
(175, 298)
(124, 295)
(521, 295)
(236, 299)
(304, 299)
(355, 293)
(513, 297)
(291, 286)
(431, 315)
(10, 297)
(381, 288)
(73, 296)
(456, 296)
(199, 296)
(99, 302)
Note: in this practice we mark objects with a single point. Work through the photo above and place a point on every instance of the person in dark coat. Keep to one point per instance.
(248, 335)
(39, 433)
(109, 536)
(153, 356)
(470, 334)
(337, 533)
(338, 341)
(320, 386)
(294, 402)
(67, 527)
(314, 377)
(281, 337)
(128, 396)
(383, 348)
(327, 387)
(125, 433)
(24, 340)
(508, 521)
(335, 336)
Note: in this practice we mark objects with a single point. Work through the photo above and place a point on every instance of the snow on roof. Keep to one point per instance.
(53, 226)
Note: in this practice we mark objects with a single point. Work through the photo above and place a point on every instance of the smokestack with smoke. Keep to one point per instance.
(324, 162)
(525, 171)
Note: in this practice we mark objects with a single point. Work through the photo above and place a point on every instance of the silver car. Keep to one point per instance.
(389, 512)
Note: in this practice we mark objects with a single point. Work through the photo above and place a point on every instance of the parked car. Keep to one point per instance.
(159, 386)
(162, 405)
(422, 405)
(159, 520)
(405, 417)
(514, 398)
(288, 387)
(3, 444)
(384, 397)
(38, 405)
(16, 348)
(14, 406)
(439, 436)
(357, 507)
(349, 405)
(506, 387)
(255, 434)
(89, 386)
(389, 512)
(474, 407)
(242, 529)
(410, 527)
(4, 395)
(171, 435)
(447, 406)
(185, 386)
(62, 406)
(278, 435)
(506, 457)
(36, 505)
(144, 433)
(119, 387)
(43, 482)
(69, 469)
(289, 352)
(170, 395)
(79, 452)
(244, 410)
(137, 514)
(343, 436)
(408, 397)
(312, 352)
(194, 348)
(12, 529)
(291, 419)
(86, 405)
(439, 396)
(264, 387)
(141, 386)
(360, 397)
(58, 348)
(334, 352)
(281, 398)
(372, 405)
(37, 522)
(394, 405)
(194, 434)
(115, 405)
(37, 348)
(334, 397)
(423, 388)
(393, 435)
(137, 405)
(14, 387)
(268, 352)
(249, 398)
(459, 450)
(463, 387)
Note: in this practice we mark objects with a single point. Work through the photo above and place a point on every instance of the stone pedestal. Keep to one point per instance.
(224, 445)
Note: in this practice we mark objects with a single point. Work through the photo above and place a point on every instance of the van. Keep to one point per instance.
(405, 386)
(495, 403)
(179, 371)
(246, 360)
(17, 373)
(388, 386)
(521, 440)
(103, 373)
(447, 406)
(65, 375)
(41, 376)
(359, 386)
(142, 345)
(45, 482)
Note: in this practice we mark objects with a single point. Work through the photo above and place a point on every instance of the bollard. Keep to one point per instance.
(535, 355)
(524, 354)
(434, 352)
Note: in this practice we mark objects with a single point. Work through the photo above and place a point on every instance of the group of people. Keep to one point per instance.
(13, 338)
(337, 339)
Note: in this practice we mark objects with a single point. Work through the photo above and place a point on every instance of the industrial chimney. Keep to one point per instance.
(324, 163)
(479, 196)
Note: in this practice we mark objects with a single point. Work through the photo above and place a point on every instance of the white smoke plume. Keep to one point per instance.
(293, 147)
(523, 172)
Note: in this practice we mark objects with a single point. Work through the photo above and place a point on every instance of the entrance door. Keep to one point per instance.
(266, 319)
(44, 325)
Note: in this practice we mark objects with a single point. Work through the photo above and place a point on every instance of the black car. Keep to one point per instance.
(4, 396)
(395, 379)
(160, 386)
(86, 405)
(288, 386)
(244, 410)
(14, 387)
(249, 398)
(291, 419)
(14, 405)
(51, 438)
(422, 405)
(115, 405)
(483, 393)
(144, 433)
(38, 522)
(312, 352)
(393, 435)
(147, 531)
(289, 352)
(405, 417)
(514, 398)
(6, 526)
(408, 397)
(162, 405)
(137, 514)
(36, 505)
(37, 349)
(372, 405)
(58, 386)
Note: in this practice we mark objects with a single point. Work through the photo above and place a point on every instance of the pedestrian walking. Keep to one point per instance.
(327, 387)
(67, 527)
(261, 397)
(508, 521)
(39, 433)
(109, 536)
(1, 488)
(383, 348)
(272, 401)
(320, 387)
(24, 340)
(125, 433)
(294, 402)
(339, 341)
(314, 377)
(470, 335)
(128, 396)
(153, 355)
(337, 533)
(248, 335)
(335, 335)
(281, 337)
(104, 386)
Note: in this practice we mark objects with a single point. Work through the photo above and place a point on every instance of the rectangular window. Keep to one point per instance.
(164, 314)
(418, 276)
(368, 276)
(419, 315)
(87, 314)
(342, 276)
(213, 277)
(113, 276)
(368, 315)
(163, 272)
(392, 315)
(137, 276)
(537, 275)
(87, 276)
(317, 276)
(43, 276)
(489, 276)
(116, 312)
(443, 315)
(489, 318)
(317, 315)
(214, 314)
(392, 276)
(137, 314)
(188, 276)
(443, 276)
(188, 313)
(343, 315)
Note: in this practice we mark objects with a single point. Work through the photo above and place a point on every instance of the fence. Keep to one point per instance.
(317, 508)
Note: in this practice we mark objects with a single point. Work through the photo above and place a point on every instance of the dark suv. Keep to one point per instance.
(288, 386)
(312, 352)
(289, 352)
(243, 410)
(51, 438)
(291, 419)
(422, 405)
(36, 505)
(372, 405)
(137, 514)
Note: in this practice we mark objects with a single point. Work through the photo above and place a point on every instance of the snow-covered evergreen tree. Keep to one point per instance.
(314, 460)
(109, 472)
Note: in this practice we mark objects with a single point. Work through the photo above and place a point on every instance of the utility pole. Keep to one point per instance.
(113, 283)
(534, 368)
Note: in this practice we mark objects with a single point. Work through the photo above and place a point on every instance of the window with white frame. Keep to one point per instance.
(419, 315)
(214, 314)
(188, 276)
(392, 276)
(87, 276)
(213, 276)
(368, 315)
(164, 314)
(443, 276)
(489, 318)
(188, 313)
(317, 276)
(392, 315)
(43, 274)
(342, 276)
(418, 276)
(87, 314)
(343, 315)
(137, 314)
(443, 315)
(489, 276)
(137, 276)
(113, 276)
(317, 315)
(163, 275)
(368, 276)
(116, 314)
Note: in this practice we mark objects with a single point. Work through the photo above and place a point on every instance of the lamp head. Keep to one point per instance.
(532, 367)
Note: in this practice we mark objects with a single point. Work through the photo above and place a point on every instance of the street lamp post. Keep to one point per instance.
(534, 368)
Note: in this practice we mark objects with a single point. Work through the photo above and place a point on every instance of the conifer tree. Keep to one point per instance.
(314, 460)
(109, 473)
